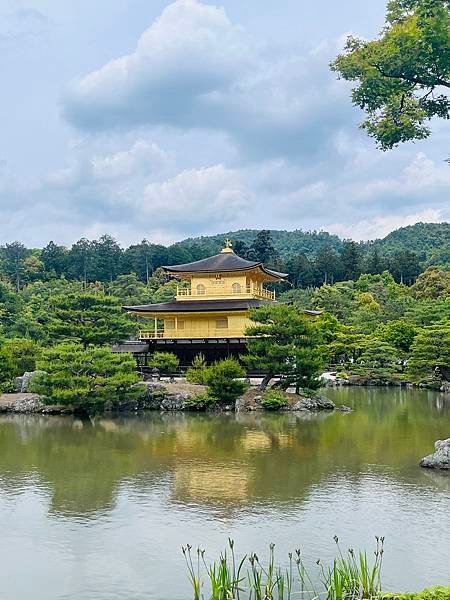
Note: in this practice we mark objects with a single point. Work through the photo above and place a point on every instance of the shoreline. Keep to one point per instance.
(167, 396)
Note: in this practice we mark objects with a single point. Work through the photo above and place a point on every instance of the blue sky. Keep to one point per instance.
(166, 119)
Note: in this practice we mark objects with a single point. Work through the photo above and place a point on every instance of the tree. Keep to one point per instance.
(11, 306)
(336, 299)
(328, 264)
(301, 271)
(431, 352)
(399, 334)
(223, 380)
(33, 269)
(242, 249)
(24, 353)
(54, 258)
(106, 258)
(262, 247)
(405, 266)
(81, 260)
(351, 260)
(130, 290)
(14, 255)
(433, 284)
(86, 379)
(165, 362)
(401, 77)
(6, 365)
(379, 360)
(375, 263)
(285, 342)
(88, 318)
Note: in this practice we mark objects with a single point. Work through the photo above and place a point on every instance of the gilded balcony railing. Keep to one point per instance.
(173, 334)
(245, 292)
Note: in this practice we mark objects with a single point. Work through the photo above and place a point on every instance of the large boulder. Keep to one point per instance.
(175, 401)
(315, 403)
(440, 459)
(21, 403)
(22, 384)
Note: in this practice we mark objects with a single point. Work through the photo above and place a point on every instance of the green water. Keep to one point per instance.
(99, 509)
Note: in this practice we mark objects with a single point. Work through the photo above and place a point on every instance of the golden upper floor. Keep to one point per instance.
(224, 276)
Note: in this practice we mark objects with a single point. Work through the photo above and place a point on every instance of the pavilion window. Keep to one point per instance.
(169, 323)
(201, 289)
(221, 323)
(180, 324)
(236, 287)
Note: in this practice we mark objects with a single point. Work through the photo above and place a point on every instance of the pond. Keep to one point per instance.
(98, 510)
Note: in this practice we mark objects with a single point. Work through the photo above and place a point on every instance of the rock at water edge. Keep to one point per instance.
(440, 459)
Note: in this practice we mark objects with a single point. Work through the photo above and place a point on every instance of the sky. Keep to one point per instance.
(164, 120)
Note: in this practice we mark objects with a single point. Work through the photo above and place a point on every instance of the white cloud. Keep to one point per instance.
(142, 158)
(421, 175)
(194, 69)
(197, 199)
(189, 51)
(380, 226)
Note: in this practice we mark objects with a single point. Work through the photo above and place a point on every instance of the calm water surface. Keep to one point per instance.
(98, 510)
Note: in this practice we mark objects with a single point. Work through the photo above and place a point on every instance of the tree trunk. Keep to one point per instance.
(265, 382)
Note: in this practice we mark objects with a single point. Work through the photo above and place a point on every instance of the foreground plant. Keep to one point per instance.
(351, 576)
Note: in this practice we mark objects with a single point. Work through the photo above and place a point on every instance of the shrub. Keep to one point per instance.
(222, 380)
(165, 362)
(196, 373)
(25, 353)
(273, 400)
(86, 379)
(6, 366)
(199, 402)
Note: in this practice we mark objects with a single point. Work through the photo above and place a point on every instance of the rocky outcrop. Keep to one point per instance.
(315, 403)
(21, 403)
(22, 384)
(166, 397)
(29, 403)
(440, 459)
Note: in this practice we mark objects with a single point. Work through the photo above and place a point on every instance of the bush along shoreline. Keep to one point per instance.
(351, 576)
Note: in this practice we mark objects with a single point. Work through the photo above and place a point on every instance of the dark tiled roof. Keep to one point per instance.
(220, 263)
(197, 306)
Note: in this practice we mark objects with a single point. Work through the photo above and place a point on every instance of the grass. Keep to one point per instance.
(352, 576)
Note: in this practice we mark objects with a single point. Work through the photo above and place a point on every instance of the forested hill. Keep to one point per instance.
(310, 257)
(286, 243)
(430, 241)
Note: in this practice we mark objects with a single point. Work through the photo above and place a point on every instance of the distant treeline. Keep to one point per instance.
(310, 258)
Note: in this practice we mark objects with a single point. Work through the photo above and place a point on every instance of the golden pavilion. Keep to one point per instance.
(211, 314)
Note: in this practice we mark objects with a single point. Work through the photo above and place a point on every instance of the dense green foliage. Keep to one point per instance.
(196, 372)
(86, 379)
(223, 379)
(88, 318)
(402, 77)
(310, 257)
(285, 342)
(375, 327)
(165, 362)
(273, 400)
(47, 297)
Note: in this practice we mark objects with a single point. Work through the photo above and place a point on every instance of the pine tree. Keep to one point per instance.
(431, 352)
(285, 342)
(88, 318)
(86, 379)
